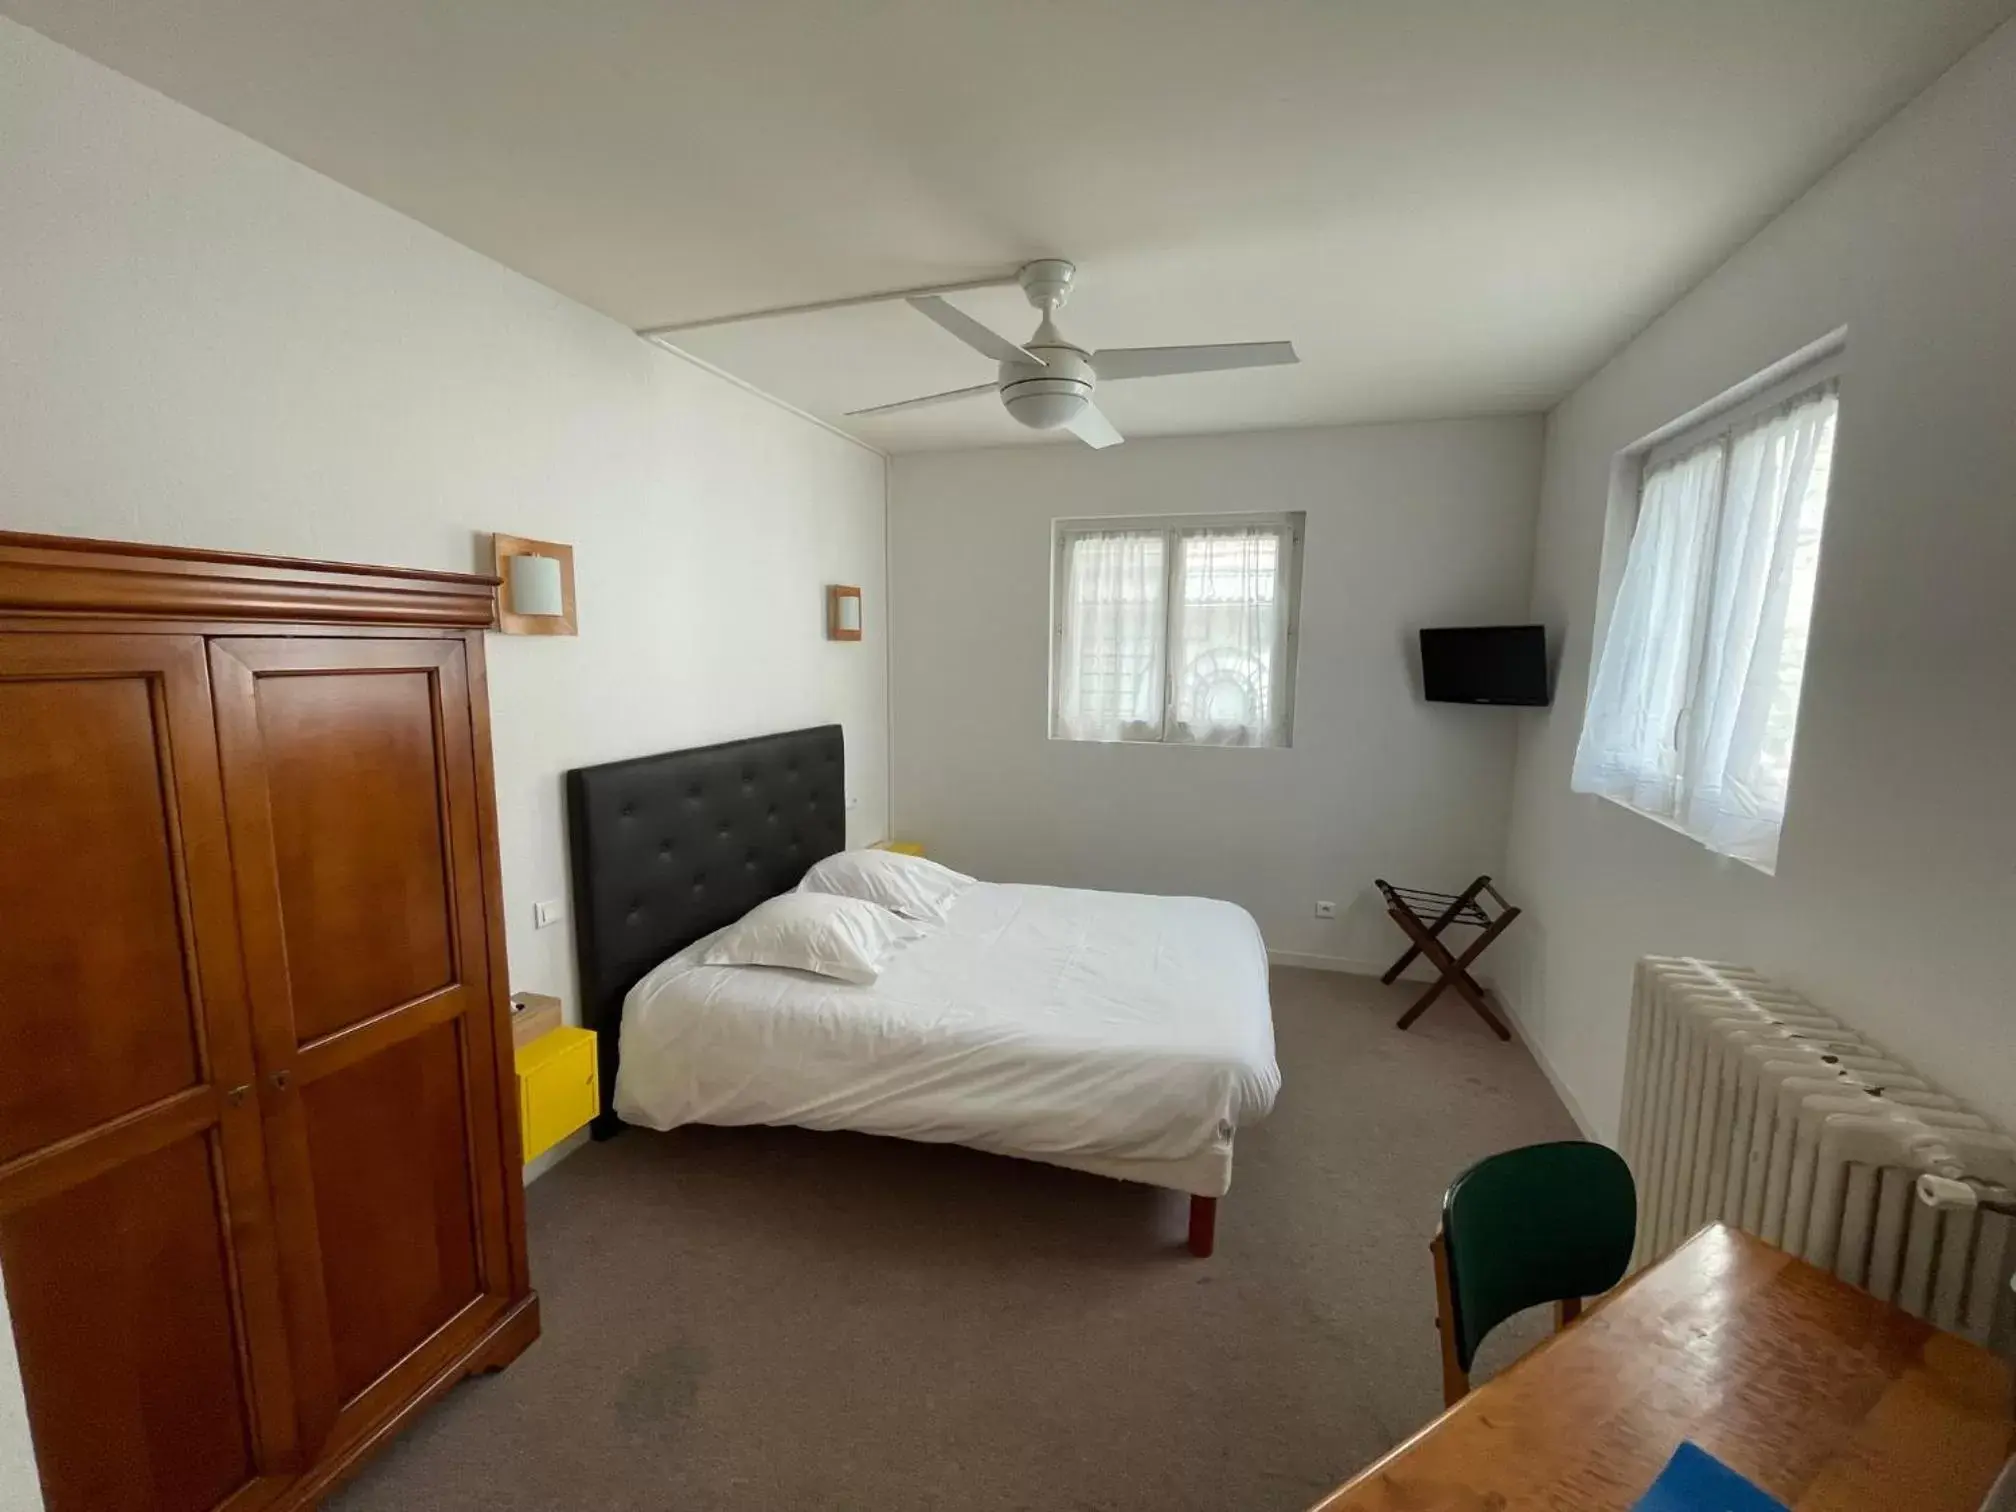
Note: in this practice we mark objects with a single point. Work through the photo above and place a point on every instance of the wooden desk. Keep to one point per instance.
(1822, 1395)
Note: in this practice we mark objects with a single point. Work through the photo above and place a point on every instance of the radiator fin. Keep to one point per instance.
(1745, 1103)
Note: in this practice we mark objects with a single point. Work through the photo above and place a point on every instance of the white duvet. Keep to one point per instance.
(1108, 1028)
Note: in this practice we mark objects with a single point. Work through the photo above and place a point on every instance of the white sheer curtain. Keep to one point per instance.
(1630, 735)
(1695, 701)
(1753, 660)
(1110, 658)
(1228, 636)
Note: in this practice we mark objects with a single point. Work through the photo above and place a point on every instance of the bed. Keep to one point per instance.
(1116, 1033)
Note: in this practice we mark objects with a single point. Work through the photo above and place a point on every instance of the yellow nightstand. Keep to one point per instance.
(902, 847)
(558, 1090)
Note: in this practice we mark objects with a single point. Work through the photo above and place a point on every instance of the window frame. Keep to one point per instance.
(1292, 524)
(1722, 418)
(1782, 386)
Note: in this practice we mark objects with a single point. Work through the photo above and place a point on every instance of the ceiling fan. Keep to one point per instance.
(1047, 382)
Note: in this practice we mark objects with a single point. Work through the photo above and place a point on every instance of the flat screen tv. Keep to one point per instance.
(1485, 664)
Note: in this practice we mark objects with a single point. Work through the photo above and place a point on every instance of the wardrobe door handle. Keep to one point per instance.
(282, 1080)
(237, 1095)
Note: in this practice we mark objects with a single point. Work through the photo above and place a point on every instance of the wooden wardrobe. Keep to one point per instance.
(260, 1199)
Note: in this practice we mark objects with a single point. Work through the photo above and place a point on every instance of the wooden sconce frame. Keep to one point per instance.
(835, 595)
(563, 623)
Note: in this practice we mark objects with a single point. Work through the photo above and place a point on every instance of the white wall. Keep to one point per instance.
(203, 343)
(1895, 894)
(20, 1489)
(1407, 525)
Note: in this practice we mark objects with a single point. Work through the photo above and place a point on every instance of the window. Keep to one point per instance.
(1178, 630)
(1695, 698)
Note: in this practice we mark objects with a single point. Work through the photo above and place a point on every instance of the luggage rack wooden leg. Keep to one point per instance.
(1404, 903)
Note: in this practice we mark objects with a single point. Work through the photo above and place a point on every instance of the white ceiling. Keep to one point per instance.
(1450, 206)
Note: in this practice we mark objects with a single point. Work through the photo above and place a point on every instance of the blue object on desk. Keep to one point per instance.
(1695, 1481)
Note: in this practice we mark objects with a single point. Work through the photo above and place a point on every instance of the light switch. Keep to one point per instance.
(552, 911)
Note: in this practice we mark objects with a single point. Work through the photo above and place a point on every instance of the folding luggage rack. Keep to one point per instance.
(1423, 915)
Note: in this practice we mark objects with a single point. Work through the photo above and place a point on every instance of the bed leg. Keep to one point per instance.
(1203, 1226)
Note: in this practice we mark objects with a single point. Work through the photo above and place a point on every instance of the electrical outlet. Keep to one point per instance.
(1326, 910)
(549, 912)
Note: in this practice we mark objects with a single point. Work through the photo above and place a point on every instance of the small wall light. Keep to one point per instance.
(535, 585)
(536, 596)
(843, 613)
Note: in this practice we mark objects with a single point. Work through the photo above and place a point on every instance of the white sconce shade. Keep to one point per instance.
(535, 585)
(850, 612)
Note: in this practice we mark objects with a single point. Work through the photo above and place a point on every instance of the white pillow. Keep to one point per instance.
(836, 937)
(906, 885)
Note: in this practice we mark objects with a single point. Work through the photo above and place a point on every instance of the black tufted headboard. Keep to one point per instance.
(669, 848)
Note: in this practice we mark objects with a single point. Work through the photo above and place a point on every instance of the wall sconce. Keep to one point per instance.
(536, 596)
(843, 613)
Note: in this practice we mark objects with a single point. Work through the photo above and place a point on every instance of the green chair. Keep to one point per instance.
(1546, 1223)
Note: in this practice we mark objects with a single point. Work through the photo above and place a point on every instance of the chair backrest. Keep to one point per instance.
(1538, 1224)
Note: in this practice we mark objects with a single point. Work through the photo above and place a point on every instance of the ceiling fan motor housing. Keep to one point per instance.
(1045, 398)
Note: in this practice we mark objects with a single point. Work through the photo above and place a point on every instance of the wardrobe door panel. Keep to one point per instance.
(93, 911)
(350, 783)
(134, 1228)
(353, 773)
(386, 1144)
(123, 1321)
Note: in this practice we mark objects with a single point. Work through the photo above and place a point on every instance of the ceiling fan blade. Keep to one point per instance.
(1094, 429)
(926, 401)
(977, 336)
(1158, 362)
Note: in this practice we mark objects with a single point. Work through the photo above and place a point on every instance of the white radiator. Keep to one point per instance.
(1745, 1103)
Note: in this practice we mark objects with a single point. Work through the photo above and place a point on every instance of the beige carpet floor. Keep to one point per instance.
(768, 1318)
